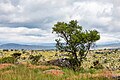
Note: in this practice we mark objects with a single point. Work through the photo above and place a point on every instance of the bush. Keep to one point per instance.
(92, 71)
(34, 59)
(106, 61)
(8, 60)
(97, 65)
(16, 55)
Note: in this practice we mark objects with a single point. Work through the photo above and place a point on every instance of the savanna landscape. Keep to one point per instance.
(53, 65)
(71, 60)
(59, 39)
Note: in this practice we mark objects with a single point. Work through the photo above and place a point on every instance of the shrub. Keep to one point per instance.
(34, 59)
(91, 71)
(8, 60)
(16, 55)
(97, 65)
(106, 61)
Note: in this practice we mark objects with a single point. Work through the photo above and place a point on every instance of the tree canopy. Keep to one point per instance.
(77, 41)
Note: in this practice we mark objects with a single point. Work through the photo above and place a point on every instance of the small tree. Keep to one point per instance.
(77, 42)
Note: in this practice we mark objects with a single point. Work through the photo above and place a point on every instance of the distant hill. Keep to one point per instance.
(109, 46)
(49, 46)
(42, 46)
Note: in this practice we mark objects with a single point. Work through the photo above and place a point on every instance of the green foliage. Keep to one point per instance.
(8, 60)
(97, 65)
(34, 59)
(76, 40)
(16, 55)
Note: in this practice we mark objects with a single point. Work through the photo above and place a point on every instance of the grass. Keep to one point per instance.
(22, 72)
(27, 71)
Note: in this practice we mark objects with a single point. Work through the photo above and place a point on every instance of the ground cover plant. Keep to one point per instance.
(23, 69)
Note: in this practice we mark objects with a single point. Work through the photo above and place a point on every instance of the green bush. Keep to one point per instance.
(16, 55)
(8, 60)
(91, 71)
(34, 59)
(97, 65)
(106, 61)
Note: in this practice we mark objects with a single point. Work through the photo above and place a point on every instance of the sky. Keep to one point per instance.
(31, 21)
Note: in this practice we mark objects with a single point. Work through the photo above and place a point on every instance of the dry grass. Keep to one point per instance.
(7, 72)
(42, 72)
(27, 71)
(54, 72)
(105, 73)
(5, 65)
(43, 67)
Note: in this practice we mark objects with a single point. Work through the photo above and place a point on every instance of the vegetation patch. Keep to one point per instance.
(54, 72)
(8, 60)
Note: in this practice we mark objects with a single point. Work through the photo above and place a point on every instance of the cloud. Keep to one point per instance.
(25, 35)
(106, 38)
(23, 17)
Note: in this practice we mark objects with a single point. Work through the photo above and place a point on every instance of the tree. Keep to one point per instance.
(77, 41)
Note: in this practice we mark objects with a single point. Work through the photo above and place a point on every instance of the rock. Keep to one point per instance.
(116, 77)
(63, 62)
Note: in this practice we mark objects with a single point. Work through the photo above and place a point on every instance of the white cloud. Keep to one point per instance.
(36, 15)
(25, 35)
(7, 8)
(106, 38)
(93, 13)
